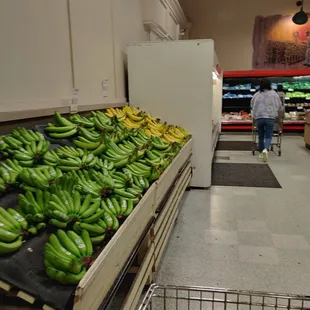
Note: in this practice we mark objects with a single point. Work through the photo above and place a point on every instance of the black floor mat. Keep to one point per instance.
(234, 146)
(249, 175)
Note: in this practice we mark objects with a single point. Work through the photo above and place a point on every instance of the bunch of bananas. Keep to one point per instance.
(63, 208)
(12, 228)
(104, 164)
(118, 113)
(102, 122)
(117, 208)
(34, 207)
(67, 256)
(31, 153)
(154, 127)
(135, 118)
(175, 134)
(51, 158)
(63, 129)
(9, 172)
(39, 178)
(82, 121)
(69, 152)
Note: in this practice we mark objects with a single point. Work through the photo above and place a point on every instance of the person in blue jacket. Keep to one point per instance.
(265, 106)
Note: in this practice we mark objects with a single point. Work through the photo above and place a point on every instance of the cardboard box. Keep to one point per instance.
(307, 133)
(308, 118)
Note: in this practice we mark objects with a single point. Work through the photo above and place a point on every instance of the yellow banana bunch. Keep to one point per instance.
(177, 134)
(110, 112)
(169, 138)
(130, 124)
(136, 117)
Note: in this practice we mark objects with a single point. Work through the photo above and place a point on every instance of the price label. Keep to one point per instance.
(300, 108)
(290, 89)
(287, 98)
(74, 101)
(253, 90)
(308, 98)
(105, 88)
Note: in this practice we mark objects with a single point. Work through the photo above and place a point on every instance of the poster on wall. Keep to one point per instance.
(280, 44)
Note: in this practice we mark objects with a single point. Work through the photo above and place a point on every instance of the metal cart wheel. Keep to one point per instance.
(271, 148)
(280, 153)
(253, 152)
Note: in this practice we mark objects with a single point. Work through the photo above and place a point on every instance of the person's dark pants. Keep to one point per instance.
(265, 132)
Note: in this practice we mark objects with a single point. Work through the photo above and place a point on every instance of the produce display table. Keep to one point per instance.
(152, 220)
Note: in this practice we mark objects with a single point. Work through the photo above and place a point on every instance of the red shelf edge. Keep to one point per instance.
(265, 73)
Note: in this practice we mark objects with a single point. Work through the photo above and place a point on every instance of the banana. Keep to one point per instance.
(87, 242)
(67, 243)
(6, 248)
(78, 241)
(63, 135)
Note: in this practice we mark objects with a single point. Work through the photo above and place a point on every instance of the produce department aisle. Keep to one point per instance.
(246, 238)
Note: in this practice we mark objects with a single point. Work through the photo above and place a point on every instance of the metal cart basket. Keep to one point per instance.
(161, 297)
(276, 143)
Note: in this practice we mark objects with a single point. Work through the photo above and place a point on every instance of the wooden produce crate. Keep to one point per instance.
(99, 279)
(159, 233)
(164, 223)
(169, 175)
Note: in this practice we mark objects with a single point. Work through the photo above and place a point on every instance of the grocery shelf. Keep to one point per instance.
(245, 82)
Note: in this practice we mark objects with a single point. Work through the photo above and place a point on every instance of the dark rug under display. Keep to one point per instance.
(248, 175)
(235, 146)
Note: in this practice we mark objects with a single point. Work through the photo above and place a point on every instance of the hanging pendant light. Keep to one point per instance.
(301, 17)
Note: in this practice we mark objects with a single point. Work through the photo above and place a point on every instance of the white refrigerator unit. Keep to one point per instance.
(181, 82)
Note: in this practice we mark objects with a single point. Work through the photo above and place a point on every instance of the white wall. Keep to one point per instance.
(230, 24)
(35, 68)
(35, 57)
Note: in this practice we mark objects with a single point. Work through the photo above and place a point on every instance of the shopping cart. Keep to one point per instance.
(161, 297)
(276, 143)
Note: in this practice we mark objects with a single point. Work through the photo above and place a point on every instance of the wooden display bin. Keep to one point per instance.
(167, 178)
(100, 278)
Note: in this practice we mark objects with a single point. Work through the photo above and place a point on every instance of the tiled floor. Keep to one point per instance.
(246, 238)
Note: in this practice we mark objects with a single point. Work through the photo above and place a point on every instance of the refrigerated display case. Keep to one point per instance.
(240, 86)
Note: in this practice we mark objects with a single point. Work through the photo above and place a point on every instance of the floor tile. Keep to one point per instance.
(259, 226)
(221, 237)
(258, 255)
(255, 238)
(290, 241)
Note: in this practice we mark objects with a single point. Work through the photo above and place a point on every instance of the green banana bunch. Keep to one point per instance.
(65, 208)
(102, 122)
(81, 121)
(8, 177)
(69, 152)
(104, 164)
(3, 148)
(40, 177)
(158, 144)
(96, 147)
(12, 227)
(34, 207)
(50, 158)
(63, 129)
(10, 144)
(67, 256)
(65, 183)
(139, 169)
(31, 153)
(87, 161)
(99, 230)
(117, 206)
(26, 136)
(9, 172)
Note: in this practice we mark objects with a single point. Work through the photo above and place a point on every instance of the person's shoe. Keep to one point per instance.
(265, 155)
(261, 157)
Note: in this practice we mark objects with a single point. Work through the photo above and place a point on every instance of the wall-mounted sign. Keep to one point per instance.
(280, 44)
